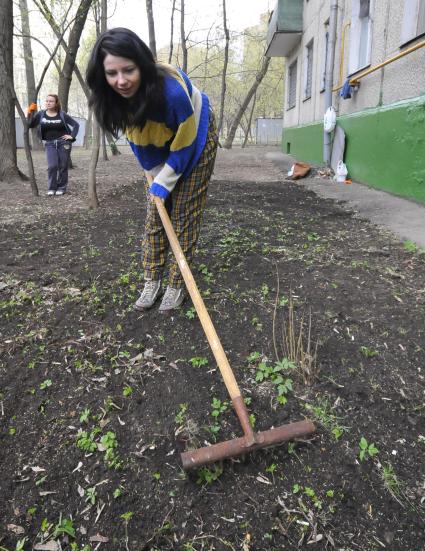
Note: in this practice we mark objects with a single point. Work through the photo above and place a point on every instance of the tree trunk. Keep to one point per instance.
(28, 155)
(29, 68)
(151, 26)
(248, 128)
(71, 48)
(223, 75)
(41, 5)
(258, 78)
(48, 16)
(183, 37)
(8, 161)
(206, 59)
(65, 77)
(89, 130)
(93, 200)
(170, 53)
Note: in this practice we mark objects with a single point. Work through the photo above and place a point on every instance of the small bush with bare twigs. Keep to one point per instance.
(292, 339)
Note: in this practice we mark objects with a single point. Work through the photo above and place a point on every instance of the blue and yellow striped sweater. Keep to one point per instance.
(170, 143)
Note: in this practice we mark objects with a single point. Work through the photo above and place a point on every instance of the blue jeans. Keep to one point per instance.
(57, 153)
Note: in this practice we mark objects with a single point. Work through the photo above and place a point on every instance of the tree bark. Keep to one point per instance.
(151, 26)
(28, 155)
(248, 128)
(183, 37)
(170, 53)
(236, 121)
(8, 160)
(223, 75)
(71, 48)
(93, 200)
(65, 77)
(29, 68)
(41, 5)
(206, 59)
(89, 130)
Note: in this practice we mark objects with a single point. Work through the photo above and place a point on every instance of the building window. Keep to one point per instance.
(360, 35)
(413, 20)
(292, 84)
(308, 69)
(325, 56)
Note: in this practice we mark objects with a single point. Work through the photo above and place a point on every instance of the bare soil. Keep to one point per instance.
(97, 401)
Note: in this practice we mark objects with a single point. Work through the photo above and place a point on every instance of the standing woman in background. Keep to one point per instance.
(57, 130)
(171, 130)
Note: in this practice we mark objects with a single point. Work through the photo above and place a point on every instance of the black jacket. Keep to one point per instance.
(71, 124)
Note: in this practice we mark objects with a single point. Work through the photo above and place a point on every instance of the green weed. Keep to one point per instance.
(20, 545)
(46, 384)
(198, 361)
(366, 450)
(277, 375)
(84, 416)
(410, 246)
(191, 313)
(322, 411)
(209, 475)
(368, 352)
(180, 417)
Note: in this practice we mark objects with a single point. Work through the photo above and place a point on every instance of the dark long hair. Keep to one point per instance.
(113, 112)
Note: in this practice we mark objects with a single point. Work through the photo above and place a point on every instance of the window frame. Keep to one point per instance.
(355, 63)
(410, 30)
(308, 69)
(292, 76)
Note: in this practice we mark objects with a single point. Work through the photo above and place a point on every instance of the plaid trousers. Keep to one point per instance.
(185, 206)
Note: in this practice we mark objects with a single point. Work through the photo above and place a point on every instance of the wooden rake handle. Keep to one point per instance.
(195, 295)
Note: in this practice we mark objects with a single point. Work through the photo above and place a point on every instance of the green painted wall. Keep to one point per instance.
(385, 147)
(305, 142)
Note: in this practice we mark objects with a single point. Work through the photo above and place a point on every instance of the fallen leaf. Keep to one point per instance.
(315, 539)
(136, 359)
(73, 291)
(228, 519)
(16, 529)
(38, 469)
(98, 537)
(49, 546)
(103, 423)
(263, 479)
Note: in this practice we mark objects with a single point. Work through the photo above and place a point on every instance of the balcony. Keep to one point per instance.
(285, 28)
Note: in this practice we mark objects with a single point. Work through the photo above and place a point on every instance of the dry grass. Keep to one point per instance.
(292, 339)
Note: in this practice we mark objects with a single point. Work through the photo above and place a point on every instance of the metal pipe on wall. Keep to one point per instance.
(327, 137)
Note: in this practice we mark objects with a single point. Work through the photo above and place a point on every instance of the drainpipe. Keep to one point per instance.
(327, 137)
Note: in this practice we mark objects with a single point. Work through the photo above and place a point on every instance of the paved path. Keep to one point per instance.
(404, 218)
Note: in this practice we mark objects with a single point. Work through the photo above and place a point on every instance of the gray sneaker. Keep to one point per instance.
(150, 294)
(173, 299)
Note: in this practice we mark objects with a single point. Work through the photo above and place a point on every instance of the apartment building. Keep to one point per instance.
(375, 56)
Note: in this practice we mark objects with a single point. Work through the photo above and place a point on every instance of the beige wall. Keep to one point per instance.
(402, 79)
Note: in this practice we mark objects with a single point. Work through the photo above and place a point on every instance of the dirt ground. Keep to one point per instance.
(97, 401)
